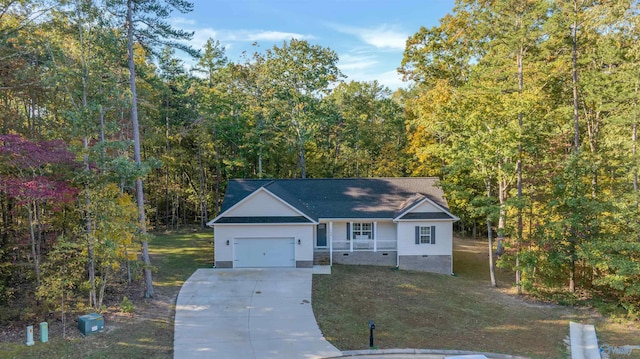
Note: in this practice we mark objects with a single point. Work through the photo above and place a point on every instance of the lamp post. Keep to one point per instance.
(372, 326)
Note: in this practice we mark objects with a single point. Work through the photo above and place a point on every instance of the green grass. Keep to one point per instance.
(148, 333)
(176, 257)
(423, 310)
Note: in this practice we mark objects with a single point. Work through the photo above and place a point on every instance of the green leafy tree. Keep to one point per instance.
(298, 74)
(369, 130)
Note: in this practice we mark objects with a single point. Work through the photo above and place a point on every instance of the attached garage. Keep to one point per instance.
(273, 245)
(264, 252)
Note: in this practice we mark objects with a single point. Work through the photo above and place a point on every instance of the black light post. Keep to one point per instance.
(372, 326)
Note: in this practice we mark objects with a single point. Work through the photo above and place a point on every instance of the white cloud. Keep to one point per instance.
(202, 34)
(391, 79)
(271, 36)
(350, 62)
(382, 37)
(200, 37)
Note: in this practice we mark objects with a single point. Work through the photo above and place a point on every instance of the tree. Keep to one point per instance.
(299, 74)
(369, 131)
(509, 33)
(29, 177)
(214, 102)
(145, 24)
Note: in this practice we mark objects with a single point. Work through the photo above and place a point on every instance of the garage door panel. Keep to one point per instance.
(264, 252)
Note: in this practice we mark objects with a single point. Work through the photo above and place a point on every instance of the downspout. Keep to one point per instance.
(451, 249)
(397, 245)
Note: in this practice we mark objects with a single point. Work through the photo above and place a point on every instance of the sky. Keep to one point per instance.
(368, 35)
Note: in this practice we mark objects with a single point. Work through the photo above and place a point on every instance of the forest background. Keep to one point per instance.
(526, 110)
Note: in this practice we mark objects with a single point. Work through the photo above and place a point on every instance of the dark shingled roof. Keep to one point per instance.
(264, 219)
(343, 198)
(426, 215)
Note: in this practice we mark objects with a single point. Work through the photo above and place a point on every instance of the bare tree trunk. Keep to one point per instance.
(576, 126)
(634, 148)
(126, 254)
(103, 285)
(64, 322)
(502, 217)
(492, 267)
(635, 161)
(303, 161)
(572, 276)
(574, 77)
(166, 171)
(156, 220)
(519, 175)
(167, 198)
(136, 154)
(218, 170)
(34, 245)
(201, 186)
(260, 144)
(102, 139)
(89, 233)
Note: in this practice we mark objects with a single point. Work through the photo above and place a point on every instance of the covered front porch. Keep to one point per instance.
(356, 242)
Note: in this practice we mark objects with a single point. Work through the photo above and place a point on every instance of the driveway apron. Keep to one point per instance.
(248, 313)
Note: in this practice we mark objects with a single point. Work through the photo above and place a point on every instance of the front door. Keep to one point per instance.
(321, 235)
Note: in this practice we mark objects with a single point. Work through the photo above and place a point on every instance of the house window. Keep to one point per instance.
(425, 234)
(362, 230)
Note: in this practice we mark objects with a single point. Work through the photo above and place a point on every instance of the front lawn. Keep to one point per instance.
(432, 311)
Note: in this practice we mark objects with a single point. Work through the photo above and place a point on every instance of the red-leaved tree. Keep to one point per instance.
(31, 174)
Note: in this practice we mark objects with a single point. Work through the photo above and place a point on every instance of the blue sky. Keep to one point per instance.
(367, 35)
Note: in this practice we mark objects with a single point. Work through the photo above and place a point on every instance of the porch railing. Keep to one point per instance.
(364, 245)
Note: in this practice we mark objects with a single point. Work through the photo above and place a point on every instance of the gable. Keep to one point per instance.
(425, 206)
(426, 210)
(261, 204)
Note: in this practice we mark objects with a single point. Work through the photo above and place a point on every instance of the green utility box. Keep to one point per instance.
(90, 323)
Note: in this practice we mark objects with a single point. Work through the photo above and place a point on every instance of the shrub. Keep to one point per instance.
(126, 305)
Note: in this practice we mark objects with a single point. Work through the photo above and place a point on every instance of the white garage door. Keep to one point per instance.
(264, 252)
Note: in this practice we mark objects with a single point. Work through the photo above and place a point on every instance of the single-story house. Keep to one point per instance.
(403, 222)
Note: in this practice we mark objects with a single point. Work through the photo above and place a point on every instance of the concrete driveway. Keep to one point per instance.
(248, 313)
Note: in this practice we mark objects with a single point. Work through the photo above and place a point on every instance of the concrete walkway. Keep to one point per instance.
(248, 314)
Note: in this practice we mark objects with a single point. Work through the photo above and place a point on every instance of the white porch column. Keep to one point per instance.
(350, 236)
(375, 236)
(330, 243)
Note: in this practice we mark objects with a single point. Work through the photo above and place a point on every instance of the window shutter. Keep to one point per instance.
(433, 234)
(417, 234)
(348, 231)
